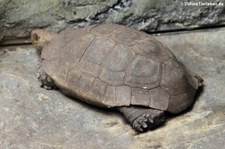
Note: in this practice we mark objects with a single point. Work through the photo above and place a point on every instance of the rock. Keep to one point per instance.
(32, 117)
(18, 18)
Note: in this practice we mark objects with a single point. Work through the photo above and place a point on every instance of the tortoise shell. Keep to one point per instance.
(111, 65)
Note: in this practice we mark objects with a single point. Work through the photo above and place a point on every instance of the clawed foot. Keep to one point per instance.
(45, 81)
(148, 121)
(200, 81)
(143, 118)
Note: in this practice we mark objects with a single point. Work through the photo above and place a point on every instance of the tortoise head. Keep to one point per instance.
(40, 38)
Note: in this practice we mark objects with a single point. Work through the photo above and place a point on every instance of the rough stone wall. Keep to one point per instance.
(18, 18)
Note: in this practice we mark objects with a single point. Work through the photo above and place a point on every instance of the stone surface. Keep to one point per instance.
(32, 117)
(18, 18)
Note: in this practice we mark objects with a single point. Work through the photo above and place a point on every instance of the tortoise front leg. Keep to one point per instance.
(142, 118)
(46, 81)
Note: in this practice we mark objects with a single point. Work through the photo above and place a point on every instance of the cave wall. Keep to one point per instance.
(18, 18)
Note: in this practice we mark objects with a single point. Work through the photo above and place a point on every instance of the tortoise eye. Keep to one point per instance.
(36, 37)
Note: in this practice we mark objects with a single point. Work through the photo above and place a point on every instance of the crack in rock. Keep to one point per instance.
(121, 5)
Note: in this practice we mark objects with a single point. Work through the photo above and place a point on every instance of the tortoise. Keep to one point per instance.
(113, 66)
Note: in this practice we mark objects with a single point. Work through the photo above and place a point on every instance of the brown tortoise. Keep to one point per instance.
(113, 66)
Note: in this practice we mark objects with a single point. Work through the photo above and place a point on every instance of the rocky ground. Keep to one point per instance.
(32, 117)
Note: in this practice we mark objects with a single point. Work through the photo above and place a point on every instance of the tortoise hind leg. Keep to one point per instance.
(46, 81)
(142, 118)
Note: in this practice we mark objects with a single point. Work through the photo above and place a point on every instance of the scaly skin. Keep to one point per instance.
(142, 118)
(46, 81)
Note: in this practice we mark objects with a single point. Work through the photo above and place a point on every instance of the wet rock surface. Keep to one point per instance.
(32, 117)
(18, 18)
